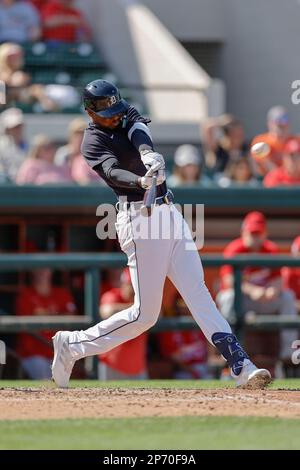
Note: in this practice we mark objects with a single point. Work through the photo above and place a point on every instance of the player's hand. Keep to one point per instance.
(146, 181)
(153, 160)
(160, 174)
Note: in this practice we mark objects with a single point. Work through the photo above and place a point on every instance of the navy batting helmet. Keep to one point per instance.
(104, 99)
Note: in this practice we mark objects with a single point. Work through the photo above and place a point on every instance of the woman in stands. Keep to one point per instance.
(39, 167)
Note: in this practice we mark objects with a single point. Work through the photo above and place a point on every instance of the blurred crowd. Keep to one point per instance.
(49, 20)
(42, 161)
(50, 24)
(223, 160)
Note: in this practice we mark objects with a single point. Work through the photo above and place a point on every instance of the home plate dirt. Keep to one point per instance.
(51, 403)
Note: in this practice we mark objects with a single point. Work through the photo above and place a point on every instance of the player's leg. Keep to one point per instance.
(148, 263)
(126, 324)
(186, 273)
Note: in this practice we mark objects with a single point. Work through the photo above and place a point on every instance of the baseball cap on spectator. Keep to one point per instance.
(279, 115)
(254, 222)
(11, 118)
(292, 146)
(295, 248)
(187, 155)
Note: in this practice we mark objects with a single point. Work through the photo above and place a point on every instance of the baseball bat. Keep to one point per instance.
(149, 198)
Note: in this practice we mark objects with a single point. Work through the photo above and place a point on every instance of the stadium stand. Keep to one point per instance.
(67, 66)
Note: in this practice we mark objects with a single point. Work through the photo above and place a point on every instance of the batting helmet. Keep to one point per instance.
(104, 99)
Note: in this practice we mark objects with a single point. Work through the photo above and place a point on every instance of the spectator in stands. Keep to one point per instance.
(18, 83)
(237, 173)
(39, 4)
(82, 174)
(262, 293)
(13, 144)
(224, 142)
(188, 168)
(288, 173)
(11, 65)
(110, 279)
(186, 351)
(278, 134)
(41, 298)
(291, 276)
(127, 361)
(63, 23)
(70, 155)
(19, 21)
(39, 167)
(66, 153)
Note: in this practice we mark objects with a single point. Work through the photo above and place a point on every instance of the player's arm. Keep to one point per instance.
(106, 164)
(102, 160)
(111, 170)
(140, 137)
(124, 178)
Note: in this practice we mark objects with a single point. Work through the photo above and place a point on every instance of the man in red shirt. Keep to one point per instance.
(288, 173)
(262, 292)
(127, 361)
(41, 298)
(64, 23)
(291, 276)
(187, 352)
(39, 4)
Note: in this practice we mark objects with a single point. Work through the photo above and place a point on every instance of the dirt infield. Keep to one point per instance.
(51, 403)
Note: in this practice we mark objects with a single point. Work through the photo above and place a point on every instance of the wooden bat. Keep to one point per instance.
(149, 198)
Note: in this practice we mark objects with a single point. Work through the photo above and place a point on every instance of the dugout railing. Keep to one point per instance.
(93, 263)
(59, 197)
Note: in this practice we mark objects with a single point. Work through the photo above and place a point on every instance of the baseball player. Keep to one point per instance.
(118, 146)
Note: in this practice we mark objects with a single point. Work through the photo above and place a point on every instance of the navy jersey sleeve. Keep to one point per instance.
(138, 131)
(110, 171)
(94, 149)
(101, 158)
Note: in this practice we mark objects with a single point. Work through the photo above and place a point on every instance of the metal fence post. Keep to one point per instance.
(239, 315)
(92, 281)
(91, 294)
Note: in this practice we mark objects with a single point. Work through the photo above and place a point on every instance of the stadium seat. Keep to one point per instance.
(75, 55)
(67, 64)
(60, 77)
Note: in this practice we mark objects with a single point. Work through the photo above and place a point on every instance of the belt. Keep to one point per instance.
(167, 198)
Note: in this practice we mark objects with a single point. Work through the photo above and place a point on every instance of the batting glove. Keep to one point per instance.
(146, 181)
(153, 160)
